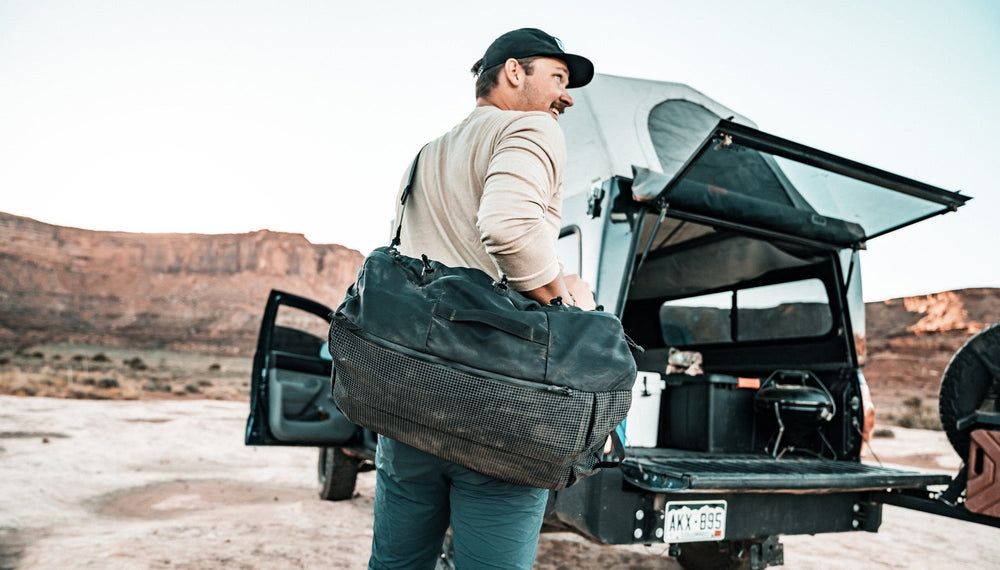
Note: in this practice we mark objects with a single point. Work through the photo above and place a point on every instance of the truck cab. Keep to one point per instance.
(732, 257)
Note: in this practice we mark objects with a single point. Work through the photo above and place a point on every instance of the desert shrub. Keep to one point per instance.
(205, 383)
(136, 363)
(192, 388)
(78, 358)
(100, 357)
(107, 383)
(918, 416)
(920, 421)
(156, 386)
(4, 361)
(884, 433)
(214, 367)
(38, 355)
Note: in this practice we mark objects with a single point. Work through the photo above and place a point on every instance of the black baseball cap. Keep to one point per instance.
(529, 42)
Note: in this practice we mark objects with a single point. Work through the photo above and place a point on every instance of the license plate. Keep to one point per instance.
(694, 521)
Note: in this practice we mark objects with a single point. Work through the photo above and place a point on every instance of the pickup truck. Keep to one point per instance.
(732, 256)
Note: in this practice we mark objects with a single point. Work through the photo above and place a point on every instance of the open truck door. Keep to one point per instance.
(291, 401)
(291, 396)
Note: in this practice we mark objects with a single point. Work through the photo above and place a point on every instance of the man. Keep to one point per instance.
(487, 195)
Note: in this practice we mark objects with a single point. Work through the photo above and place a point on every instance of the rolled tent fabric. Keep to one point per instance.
(716, 202)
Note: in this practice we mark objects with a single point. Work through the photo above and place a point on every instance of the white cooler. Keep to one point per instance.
(643, 422)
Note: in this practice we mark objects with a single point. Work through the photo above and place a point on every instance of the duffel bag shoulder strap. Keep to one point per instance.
(402, 198)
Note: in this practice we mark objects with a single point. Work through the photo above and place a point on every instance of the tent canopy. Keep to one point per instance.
(617, 122)
(700, 157)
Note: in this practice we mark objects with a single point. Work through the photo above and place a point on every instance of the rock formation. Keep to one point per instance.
(177, 291)
(911, 340)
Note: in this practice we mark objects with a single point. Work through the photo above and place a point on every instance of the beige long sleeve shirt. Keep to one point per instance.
(488, 195)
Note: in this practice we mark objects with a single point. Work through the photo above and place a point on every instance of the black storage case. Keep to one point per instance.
(706, 412)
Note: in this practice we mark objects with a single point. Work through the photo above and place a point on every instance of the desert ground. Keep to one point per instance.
(113, 464)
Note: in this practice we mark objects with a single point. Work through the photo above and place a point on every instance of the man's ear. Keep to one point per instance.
(513, 72)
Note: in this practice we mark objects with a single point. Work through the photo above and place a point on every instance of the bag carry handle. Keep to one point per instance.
(512, 327)
(617, 452)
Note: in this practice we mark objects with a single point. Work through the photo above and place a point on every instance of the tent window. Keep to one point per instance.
(676, 128)
(785, 310)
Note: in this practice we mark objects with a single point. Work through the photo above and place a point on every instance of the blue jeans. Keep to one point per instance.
(417, 496)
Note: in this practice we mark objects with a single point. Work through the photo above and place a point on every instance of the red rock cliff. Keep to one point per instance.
(180, 291)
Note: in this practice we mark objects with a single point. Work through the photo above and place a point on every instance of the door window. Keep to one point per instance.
(300, 332)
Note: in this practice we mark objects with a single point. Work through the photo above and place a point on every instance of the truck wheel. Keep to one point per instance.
(971, 382)
(338, 473)
(720, 555)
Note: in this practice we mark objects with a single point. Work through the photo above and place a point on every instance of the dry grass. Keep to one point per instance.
(81, 372)
(914, 413)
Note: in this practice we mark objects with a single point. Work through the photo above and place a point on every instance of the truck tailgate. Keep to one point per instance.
(663, 470)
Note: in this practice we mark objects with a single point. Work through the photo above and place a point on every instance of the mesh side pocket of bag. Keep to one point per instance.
(611, 408)
(512, 432)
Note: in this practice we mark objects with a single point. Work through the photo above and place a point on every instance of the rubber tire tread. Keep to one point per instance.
(338, 474)
(965, 384)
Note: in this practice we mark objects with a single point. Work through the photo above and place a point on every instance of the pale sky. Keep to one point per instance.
(233, 116)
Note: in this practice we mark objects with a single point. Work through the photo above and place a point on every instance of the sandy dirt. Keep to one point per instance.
(169, 484)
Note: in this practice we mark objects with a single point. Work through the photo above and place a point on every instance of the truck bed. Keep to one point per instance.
(660, 470)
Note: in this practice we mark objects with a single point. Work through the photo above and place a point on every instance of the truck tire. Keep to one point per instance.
(338, 474)
(719, 555)
(971, 382)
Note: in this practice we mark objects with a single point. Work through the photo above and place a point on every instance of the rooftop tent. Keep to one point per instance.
(612, 126)
(649, 130)
(732, 195)
(705, 162)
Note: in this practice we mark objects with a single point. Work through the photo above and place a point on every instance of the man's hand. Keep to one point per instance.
(579, 292)
(572, 289)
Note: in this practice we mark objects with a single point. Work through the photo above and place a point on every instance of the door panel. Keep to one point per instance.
(291, 397)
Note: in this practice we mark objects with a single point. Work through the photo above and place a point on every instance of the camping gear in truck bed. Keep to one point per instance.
(707, 412)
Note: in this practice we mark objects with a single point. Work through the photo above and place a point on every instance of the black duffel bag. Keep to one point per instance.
(451, 362)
